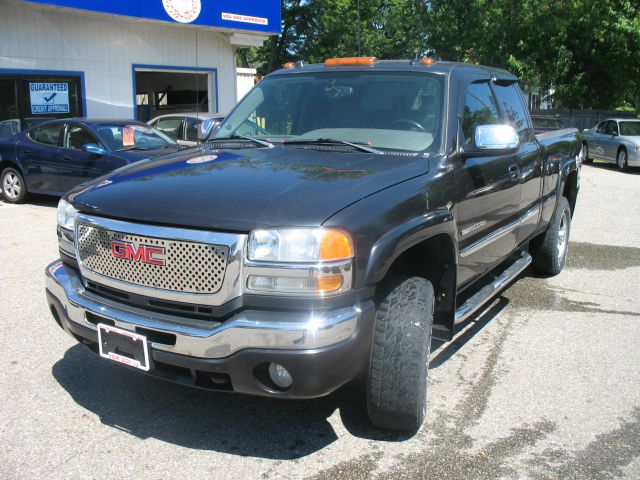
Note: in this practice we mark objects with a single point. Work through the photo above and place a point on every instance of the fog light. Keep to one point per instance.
(280, 375)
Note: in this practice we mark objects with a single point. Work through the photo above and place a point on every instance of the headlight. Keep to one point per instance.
(637, 149)
(66, 215)
(299, 245)
(299, 261)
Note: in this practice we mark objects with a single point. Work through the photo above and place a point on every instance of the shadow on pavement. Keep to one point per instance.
(612, 167)
(237, 424)
(39, 200)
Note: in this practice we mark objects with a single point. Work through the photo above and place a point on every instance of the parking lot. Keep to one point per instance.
(543, 385)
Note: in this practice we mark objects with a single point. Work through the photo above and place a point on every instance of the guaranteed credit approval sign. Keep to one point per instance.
(49, 98)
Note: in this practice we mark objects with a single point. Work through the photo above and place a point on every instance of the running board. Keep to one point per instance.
(476, 301)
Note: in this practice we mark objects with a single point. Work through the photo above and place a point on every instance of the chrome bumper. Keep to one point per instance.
(254, 329)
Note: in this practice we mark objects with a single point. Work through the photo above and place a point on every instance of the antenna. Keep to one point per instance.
(359, 27)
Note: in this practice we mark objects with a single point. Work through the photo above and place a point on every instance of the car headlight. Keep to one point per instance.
(316, 261)
(66, 215)
(299, 245)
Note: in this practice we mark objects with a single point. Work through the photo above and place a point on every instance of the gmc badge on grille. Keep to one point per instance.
(140, 254)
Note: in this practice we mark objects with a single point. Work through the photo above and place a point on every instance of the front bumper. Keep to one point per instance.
(322, 349)
(633, 158)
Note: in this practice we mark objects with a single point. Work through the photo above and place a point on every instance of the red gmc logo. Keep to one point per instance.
(141, 254)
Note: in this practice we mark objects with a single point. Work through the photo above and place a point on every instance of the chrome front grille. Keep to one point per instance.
(189, 267)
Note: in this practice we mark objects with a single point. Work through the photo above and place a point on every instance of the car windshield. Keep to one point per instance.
(630, 128)
(132, 136)
(384, 110)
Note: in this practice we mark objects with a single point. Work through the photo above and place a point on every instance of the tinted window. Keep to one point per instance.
(169, 126)
(611, 128)
(49, 134)
(396, 110)
(77, 137)
(511, 102)
(602, 127)
(479, 109)
(630, 128)
(191, 129)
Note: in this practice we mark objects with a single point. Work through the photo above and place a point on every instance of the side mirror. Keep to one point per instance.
(493, 140)
(94, 149)
(206, 127)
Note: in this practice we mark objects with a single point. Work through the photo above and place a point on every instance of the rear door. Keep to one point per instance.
(38, 152)
(488, 192)
(527, 169)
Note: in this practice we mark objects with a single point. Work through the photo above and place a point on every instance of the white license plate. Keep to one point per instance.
(124, 347)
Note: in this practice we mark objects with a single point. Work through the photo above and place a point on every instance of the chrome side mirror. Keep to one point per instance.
(496, 137)
(94, 149)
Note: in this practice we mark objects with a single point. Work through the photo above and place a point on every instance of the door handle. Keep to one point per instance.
(514, 172)
(25, 152)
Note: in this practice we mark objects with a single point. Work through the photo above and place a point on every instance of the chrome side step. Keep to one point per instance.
(476, 301)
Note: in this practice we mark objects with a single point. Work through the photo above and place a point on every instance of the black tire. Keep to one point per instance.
(587, 159)
(397, 381)
(12, 185)
(549, 249)
(622, 159)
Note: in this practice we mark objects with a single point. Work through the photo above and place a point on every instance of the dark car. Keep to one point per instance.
(542, 123)
(57, 155)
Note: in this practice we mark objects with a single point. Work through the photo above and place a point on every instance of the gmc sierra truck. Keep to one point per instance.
(342, 216)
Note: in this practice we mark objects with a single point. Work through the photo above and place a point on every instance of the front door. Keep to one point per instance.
(75, 165)
(488, 190)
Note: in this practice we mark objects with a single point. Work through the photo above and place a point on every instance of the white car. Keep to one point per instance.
(615, 140)
(184, 128)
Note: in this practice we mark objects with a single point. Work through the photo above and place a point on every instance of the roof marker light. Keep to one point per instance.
(289, 65)
(333, 62)
(427, 61)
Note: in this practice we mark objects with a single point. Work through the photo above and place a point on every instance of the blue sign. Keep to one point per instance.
(254, 15)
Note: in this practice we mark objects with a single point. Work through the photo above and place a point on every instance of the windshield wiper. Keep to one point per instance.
(126, 149)
(358, 146)
(258, 141)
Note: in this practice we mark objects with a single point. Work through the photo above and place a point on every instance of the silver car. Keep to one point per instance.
(614, 140)
(184, 127)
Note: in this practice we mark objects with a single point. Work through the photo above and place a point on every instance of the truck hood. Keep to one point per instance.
(238, 190)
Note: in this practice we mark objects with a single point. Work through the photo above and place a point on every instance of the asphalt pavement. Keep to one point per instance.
(545, 384)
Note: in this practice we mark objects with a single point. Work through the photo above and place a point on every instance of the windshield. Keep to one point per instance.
(133, 136)
(387, 110)
(630, 128)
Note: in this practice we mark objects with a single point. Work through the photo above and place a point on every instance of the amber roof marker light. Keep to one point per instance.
(289, 65)
(336, 62)
(427, 61)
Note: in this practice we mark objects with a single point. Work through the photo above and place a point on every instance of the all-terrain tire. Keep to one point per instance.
(549, 249)
(397, 381)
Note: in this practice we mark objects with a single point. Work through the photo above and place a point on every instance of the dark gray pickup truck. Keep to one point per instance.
(342, 216)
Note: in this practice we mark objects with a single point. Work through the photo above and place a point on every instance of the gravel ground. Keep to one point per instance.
(543, 385)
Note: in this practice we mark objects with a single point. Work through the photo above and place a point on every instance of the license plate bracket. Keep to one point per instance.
(124, 347)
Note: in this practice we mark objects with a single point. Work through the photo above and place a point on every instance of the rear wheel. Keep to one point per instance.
(13, 188)
(397, 382)
(621, 159)
(587, 159)
(549, 249)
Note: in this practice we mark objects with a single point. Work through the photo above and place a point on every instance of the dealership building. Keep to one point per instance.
(126, 59)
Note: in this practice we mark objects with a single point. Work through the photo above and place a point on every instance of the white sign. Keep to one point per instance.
(183, 11)
(234, 17)
(49, 98)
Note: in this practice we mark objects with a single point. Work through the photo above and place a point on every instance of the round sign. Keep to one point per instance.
(183, 11)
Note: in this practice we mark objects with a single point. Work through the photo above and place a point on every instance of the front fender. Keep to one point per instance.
(398, 240)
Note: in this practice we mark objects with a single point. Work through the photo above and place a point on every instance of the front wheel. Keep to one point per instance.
(397, 381)
(549, 249)
(14, 189)
(621, 160)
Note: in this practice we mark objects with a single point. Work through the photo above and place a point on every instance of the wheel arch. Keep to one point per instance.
(425, 248)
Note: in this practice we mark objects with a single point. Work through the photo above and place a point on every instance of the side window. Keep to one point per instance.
(170, 127)
(479, 109)
(511, 101)
(77, 137)
(191, 129)
(602, 127)
(612, 128)
(49, 134)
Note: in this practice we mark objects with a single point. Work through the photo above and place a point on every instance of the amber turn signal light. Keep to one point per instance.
(332, 62)
(335, 245)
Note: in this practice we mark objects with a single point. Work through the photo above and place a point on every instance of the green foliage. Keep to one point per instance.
(586, 51)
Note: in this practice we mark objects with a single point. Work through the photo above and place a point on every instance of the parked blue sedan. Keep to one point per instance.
(57, 155)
